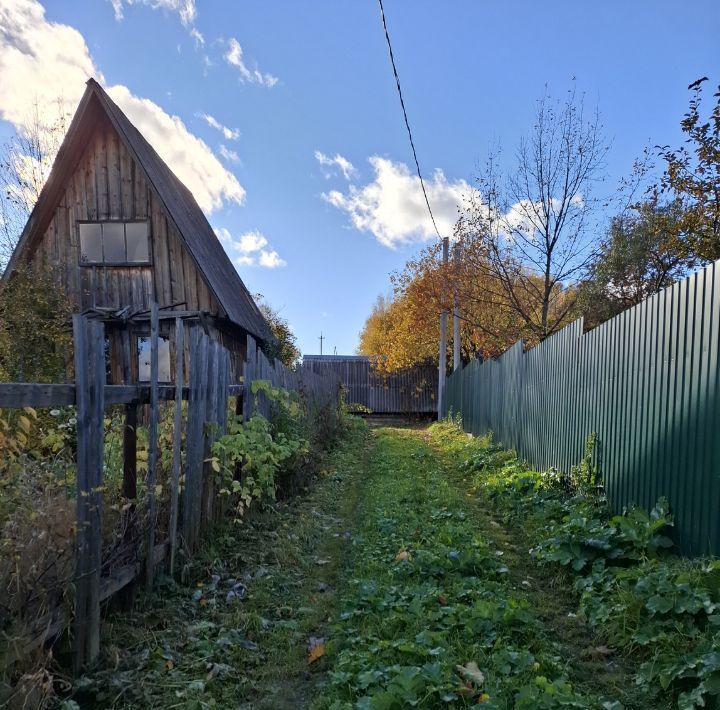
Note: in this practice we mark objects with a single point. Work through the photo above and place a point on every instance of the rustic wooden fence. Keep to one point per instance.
(646, 382)
(207, 394)
(409, 391)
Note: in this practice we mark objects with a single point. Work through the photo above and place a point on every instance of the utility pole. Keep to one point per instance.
(457, 363)
(321, 341)
(443, 334)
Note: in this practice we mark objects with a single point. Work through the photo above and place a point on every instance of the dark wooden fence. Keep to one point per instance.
(410, 391)
(207, 394)
(646, 382)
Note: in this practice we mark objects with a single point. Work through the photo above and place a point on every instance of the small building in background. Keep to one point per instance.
(117, 230)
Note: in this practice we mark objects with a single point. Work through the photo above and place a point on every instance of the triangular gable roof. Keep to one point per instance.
(177, 201)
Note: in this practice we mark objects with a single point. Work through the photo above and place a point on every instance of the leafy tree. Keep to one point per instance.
(35, 328)
(404, 330)
(635, 262)
(284, 347)
(692, 176)
(532, 228)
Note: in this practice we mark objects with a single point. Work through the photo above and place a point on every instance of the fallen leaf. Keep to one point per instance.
(471, 672)
(317, 653)
(316, 648)
(442, 600)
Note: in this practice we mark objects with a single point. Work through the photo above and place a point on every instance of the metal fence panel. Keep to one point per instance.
(646, 382)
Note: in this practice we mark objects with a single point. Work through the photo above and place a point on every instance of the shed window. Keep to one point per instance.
(143, 348)
(114, 243)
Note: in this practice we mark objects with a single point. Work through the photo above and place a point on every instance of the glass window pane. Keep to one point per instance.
(90, 243)
(114, 243)
(164, 360)
(136, 236)
(143, 345)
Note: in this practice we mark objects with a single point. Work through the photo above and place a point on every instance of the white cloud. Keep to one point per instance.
(230, 134)
(41, 61)
(228, 154)
(392, 206)
(343, 164)
(184, 8)
(198, 37)
(234, 57)
(252, 241)
(189, 157)
(248, 249)
(271, 260)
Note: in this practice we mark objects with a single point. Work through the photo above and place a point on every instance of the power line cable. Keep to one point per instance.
(407, 123)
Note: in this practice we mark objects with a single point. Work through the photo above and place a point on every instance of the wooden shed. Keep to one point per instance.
(118, 230)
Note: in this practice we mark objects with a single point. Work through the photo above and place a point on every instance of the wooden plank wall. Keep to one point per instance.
(410, 391)
(108, 185)
(318, 390)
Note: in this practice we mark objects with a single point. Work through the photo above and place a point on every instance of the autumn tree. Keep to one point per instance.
(404, 331)
(532, 229)
(692, 176)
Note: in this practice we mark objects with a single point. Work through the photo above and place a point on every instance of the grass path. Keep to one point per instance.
(237, 633)
(389, 585)
(441, 607)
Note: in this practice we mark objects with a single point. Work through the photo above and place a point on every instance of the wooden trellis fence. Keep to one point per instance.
(207, 394)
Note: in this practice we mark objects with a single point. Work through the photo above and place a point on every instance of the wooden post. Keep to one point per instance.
(129, 489)
(457, 362)
(90, 399)
(195, 438)
(152, 443)
(208, 475)
(177, 438)
(443, 337)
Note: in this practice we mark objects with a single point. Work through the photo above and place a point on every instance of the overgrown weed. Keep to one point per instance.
(658, 610)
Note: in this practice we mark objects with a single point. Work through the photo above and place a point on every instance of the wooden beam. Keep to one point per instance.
(177, 438)
(16, 395)
(90, 372)
(152, 441)
(52, 624)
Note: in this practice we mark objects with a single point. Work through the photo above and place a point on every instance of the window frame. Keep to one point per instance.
(111, 264)
(145, 334)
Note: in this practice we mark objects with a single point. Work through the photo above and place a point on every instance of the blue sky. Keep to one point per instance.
(289, 80)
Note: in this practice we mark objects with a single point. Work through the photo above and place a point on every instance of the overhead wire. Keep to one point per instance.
(407, 122)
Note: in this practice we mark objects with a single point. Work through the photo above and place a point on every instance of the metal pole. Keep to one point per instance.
(443, 338)
(456, 311)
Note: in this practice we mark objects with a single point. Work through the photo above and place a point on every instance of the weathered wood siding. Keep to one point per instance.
(107, 185)
(410, 391)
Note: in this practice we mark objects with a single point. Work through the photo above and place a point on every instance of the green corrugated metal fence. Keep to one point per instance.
(646, 382)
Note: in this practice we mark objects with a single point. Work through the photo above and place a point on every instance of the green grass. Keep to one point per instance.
(186, 646)
(431, 590)
(413, 562)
